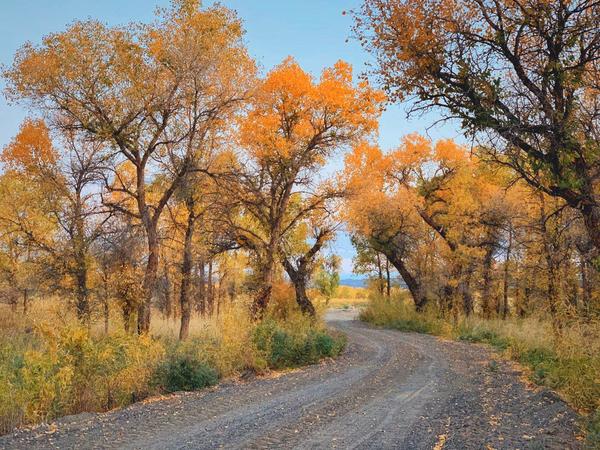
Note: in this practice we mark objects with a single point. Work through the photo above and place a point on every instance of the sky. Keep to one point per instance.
(315, 32)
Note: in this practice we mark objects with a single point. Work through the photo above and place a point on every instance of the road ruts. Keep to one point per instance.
(388, 390)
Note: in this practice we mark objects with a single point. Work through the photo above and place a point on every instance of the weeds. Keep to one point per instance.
(51, 367)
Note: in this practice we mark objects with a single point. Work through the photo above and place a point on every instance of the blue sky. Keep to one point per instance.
(315, 32)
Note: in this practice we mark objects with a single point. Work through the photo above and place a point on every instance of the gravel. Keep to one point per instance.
(388, 390)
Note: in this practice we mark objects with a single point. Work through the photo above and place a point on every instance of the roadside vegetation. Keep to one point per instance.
(51, 366)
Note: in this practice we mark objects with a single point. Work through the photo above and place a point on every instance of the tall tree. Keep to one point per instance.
(521, 76)
(67, 180)
(151, 92)
(294, 124)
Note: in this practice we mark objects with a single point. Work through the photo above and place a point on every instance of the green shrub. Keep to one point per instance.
(284, 347)
(54, 368)
(185, 373)
(593, 431)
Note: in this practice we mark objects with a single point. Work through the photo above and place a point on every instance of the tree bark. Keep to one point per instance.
(505, 307)
(150, 275)
(202, 286)
(414, 286)
(25, 301)
(210, 288)
(81, 268)
(299, 277)
(379, 275)
(265, 288)
(487, 282)
(186, 272)
(388, 284)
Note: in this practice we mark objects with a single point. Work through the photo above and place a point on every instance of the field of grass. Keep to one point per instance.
(348, 297)
(569, 364)
(50, 366)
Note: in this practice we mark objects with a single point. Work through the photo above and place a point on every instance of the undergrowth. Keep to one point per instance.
(569, 363)
(51, 367)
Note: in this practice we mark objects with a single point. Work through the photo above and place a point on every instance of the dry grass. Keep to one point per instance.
(51, 366)
(346, 297)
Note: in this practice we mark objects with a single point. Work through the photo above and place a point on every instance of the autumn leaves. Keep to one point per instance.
(175, 126)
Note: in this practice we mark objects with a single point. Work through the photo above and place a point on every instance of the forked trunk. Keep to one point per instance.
(299, 278)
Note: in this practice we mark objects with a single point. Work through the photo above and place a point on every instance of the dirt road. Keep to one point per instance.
(388, 390)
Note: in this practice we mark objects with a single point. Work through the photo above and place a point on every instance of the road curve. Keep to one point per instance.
(388, 390)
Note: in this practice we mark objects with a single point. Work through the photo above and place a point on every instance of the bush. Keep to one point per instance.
(185, 373)
(50, 368)
(285, 347)
(66, 371)
(398, 313)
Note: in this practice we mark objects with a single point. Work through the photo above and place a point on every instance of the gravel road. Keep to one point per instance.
(388, 390)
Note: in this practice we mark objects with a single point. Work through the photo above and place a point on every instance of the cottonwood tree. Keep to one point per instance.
(521, 76)
(385, 215)
(66, 178)
(293, 125)
(368, 261)
(150, 92)
(403, 201)
(300, 253)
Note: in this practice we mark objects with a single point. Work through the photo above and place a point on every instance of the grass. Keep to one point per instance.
(50, 366)
(346, 297)
(569, 364)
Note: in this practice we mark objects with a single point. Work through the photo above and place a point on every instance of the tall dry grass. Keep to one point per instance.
(51, 366)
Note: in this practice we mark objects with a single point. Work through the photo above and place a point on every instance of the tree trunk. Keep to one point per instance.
(379, 275)
(505, 307)
(150, 276)
(186, 272)
(81, 269)
(168, 297)
(106, 316)
(487, 282)
(414, 287)
(388, 284)
(591, 219)
(299, 278)
(210, 289)
(202, 286)
(25, 301)
(83, 310)
(465, 290)
(263, 294)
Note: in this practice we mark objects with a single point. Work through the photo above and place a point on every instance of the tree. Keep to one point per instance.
(150, 92)
(521, 77)
(327, 279)
(424, 198)
(294, 124)
(66, 180)
(372, 263)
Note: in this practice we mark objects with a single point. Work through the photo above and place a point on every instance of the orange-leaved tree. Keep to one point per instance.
(149, 92)
(293, 126)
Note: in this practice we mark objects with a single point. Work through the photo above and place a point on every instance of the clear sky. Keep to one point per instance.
(315, 32)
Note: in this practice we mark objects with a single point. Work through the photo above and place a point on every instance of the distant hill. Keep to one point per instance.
(353, 282)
